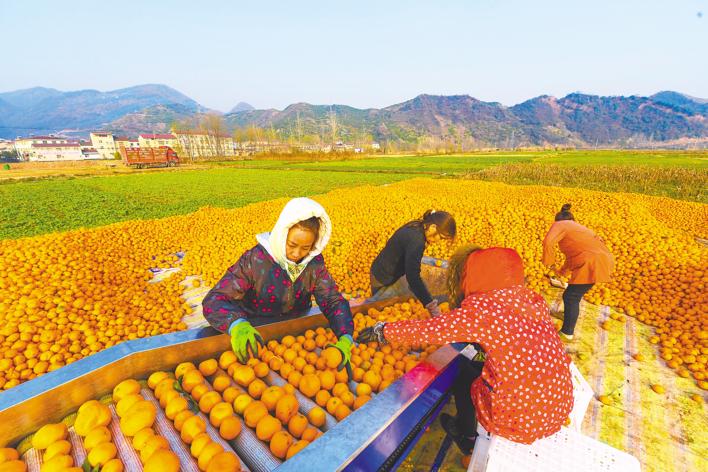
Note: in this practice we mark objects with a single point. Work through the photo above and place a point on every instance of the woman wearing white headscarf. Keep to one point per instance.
(277, 278)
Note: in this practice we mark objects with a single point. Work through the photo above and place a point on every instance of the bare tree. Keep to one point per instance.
(215, 127)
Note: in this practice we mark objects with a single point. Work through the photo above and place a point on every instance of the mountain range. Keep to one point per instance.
(575, 120)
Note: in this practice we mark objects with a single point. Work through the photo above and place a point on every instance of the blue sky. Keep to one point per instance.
(363, 53)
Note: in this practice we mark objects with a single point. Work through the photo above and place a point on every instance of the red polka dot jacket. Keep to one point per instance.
(525, 390)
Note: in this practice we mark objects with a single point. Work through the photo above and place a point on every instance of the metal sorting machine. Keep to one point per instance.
(377, 436)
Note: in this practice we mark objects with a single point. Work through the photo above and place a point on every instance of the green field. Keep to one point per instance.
(45, 205)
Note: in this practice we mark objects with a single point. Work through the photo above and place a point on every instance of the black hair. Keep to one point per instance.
(565, 213)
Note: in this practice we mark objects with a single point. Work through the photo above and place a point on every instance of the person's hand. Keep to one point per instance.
(245, 341)
(433, 308)
(374, 333)
(344, 345)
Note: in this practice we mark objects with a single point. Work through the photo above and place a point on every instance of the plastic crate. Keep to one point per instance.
(565, 450)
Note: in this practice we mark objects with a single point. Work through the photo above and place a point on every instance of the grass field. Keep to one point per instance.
(38, 207)
(63, 197)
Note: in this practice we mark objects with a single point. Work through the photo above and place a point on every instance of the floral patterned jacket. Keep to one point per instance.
(258, 289)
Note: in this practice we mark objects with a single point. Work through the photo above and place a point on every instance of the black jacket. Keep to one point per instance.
(402, 256)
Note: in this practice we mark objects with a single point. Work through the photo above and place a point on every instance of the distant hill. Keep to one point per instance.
(242, 106)
(41, 110)
(575, 120)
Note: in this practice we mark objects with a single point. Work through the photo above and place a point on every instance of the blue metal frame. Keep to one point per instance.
(368, 439)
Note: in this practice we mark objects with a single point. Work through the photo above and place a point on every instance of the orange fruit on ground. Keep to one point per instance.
(244, 375)
(155, 378)
(256, 388)
(208, 400)
(230, 428)
(191, 379)
(241, 402)
(141, 438)
(342, 412)
(296, 447)
(261, 370)
(219, 412)
(191, 428)
(175, 406)
(124, 388)
(208, 367)
(288, 388)
(224, 462)
(361, 401)
(280, 443)
(221, 383)
(162, 460)
(309, 385)
(333, 357)
(271, 395)
(267, 427)
(207, 454)
(289, 355)
(286, 408)
(297, 425)
(199, 391)
(310, 434)
(363, 389)
(254, 412)
(327, 379)
(199, 443)
(317, 417)
(183, 368)
(322, 398)
(14, 465)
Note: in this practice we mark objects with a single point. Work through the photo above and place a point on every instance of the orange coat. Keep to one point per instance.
(586, 256)
(525, 390)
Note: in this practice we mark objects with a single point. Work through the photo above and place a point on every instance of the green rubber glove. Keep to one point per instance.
(245, 341)
(344, 344)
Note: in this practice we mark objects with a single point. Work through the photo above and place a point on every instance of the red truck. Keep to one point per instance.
(163, 156)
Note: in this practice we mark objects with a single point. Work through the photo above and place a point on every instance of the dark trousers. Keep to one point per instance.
(571, 303)
(466, 416)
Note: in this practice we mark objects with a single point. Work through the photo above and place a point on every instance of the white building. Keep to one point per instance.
(126, 142)
(24, 146)
(195, 144)
(156, 140)
(6, 145)
(104, 144)
(68, 151)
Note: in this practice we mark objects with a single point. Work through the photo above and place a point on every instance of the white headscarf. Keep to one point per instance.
(296, 210)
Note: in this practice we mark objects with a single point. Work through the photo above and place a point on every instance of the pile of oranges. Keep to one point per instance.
(65, 296)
